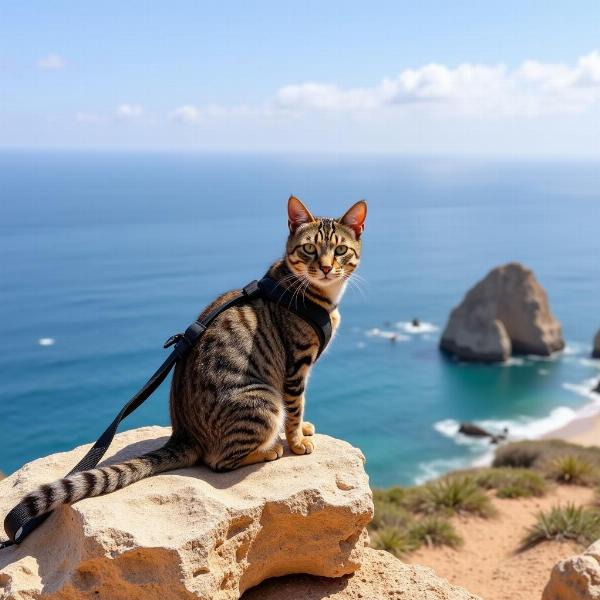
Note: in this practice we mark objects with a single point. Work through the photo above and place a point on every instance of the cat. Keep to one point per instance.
(244, 380)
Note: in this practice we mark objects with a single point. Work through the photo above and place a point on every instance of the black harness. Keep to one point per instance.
(18, 525)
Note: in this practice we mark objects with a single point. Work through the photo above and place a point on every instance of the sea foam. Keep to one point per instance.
(412, 329)
(388, 335)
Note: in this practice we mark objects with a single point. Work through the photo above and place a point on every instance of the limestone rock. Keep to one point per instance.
(191, 533)
(576, 578)
(381, 577)
(596, 348)
(506, 312)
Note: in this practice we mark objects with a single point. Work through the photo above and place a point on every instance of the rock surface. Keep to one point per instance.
(506, 313)
(576, 578)
(191, 533)
(596, 346)
(381, 577)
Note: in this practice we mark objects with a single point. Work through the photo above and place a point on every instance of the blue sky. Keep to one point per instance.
(434, 77)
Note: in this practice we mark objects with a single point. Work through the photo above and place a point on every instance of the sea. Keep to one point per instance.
(103, 255)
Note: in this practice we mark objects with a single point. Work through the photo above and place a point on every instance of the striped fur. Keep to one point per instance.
(245, 379)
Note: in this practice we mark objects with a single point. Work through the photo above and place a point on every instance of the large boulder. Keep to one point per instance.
(191, 533)
(576, 578)
(596, 347)
(380, 577)
(506, 313)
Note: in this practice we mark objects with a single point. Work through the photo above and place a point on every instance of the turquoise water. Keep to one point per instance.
(109, 254)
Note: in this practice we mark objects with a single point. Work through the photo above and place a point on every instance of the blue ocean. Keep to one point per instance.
(104, 255)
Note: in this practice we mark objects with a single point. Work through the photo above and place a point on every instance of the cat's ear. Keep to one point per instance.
(355, 218)
(298, 214)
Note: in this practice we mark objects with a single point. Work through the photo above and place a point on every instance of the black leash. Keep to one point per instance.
(17, 523)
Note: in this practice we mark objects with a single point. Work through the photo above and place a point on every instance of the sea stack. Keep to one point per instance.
(505, 313)
(596, 348)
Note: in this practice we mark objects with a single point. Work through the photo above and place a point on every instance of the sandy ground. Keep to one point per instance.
(585, 431)
(488, 564)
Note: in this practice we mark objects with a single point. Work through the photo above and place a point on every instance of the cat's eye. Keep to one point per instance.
(309, 248)
(341, 250)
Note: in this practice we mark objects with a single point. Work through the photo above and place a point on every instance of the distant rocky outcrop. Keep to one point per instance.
(192, 533)
(505, 313)
(596, 347)
(576, 578)
(380, 577)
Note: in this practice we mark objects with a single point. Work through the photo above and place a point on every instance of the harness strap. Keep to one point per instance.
(314, 314)
(18, 525)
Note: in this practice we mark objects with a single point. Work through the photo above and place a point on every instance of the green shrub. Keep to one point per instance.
(451, 495)
(538, 454)
(388, 514)
(560, 523)
(435, 531)
(517, 455)
(572, 469)
(393, 539)
(511, 482)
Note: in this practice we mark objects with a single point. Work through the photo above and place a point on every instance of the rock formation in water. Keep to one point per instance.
(505, 313)
(576, 578)
(193, 533)
(596, 347)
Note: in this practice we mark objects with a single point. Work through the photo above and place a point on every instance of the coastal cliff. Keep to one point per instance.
(193, 533)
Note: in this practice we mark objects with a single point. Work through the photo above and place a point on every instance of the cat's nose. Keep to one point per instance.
(325, 268)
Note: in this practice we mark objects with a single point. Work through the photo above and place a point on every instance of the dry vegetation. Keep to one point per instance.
(407, 518)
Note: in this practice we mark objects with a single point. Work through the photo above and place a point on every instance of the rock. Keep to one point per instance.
(381, 577)
(191, 533)
(596, 348)
(505, 313)
(576, 578)
(473, 430)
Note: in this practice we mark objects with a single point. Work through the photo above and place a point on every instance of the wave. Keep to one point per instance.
(434, 468)
(514, 361)
(575, 348)
(590, 362)
(521, 428)
(412, 329)
(46, 341)
(584, 389)
(393, 336)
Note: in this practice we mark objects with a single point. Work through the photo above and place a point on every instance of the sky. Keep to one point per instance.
(461, 77)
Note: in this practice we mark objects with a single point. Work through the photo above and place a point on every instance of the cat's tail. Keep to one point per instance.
(104, 480)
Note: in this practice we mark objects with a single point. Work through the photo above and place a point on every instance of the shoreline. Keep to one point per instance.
(582, 430)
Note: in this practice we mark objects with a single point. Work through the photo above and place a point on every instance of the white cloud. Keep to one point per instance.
(189, 113)
(129, 111)
(52, 62)
(84, 117)
(186, 114)
(533, 89)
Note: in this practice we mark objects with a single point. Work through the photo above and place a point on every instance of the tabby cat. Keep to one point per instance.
(244, 380)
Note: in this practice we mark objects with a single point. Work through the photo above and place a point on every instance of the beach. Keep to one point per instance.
(584, 431)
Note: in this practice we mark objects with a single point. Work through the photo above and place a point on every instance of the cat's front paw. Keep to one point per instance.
(274, 453)
(302, 446)
(308, 428)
